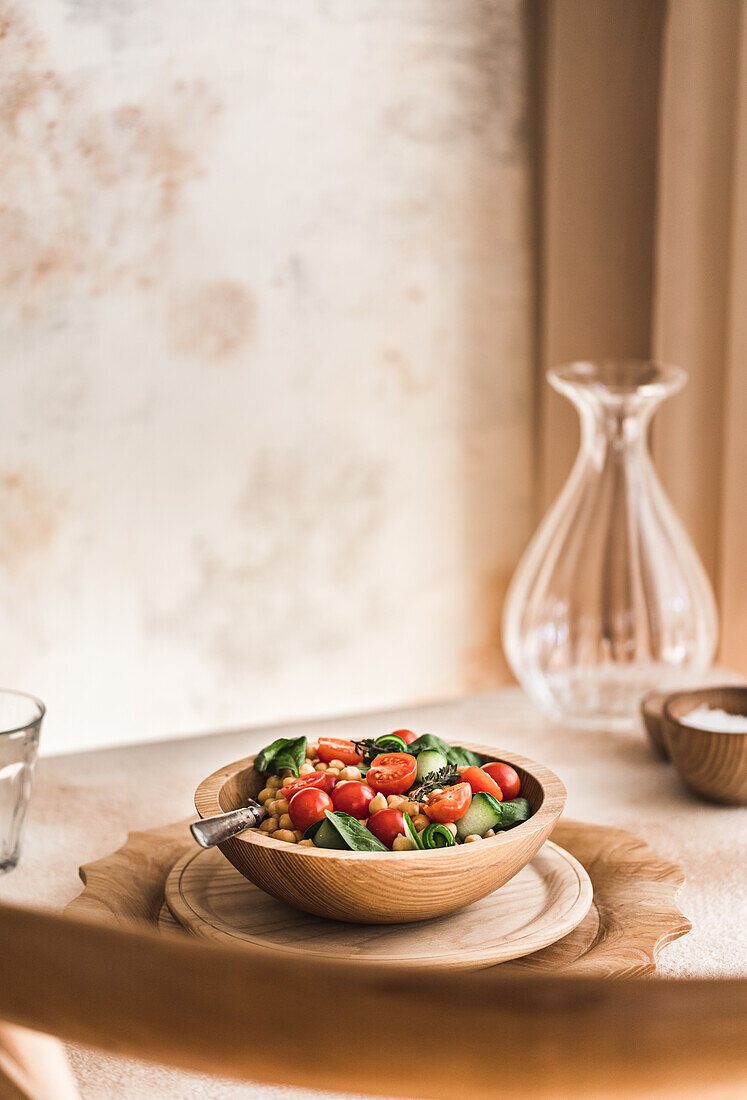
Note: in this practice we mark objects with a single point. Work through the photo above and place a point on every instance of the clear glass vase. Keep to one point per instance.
(610, 599)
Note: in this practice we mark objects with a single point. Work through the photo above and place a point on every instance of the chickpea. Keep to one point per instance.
(264, 795)
(274, 782)
(452, 828)
(333, 771)
(311, 750)
(320, 767)
(270, 805)
(285, 822)
(287, 835)
(402, 844)
(412, 809)
(420, 822)
(378, 802)
(472, 838)
(306, 769)
(336, 764)
(299, 836)
(396, 800)
(269, 825)
(490, 832)
(306, 844)
(281, 806)
(350, 773)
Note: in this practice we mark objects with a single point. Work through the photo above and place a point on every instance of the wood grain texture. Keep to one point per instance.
(698, 105)
(733, 563)
(652, 712)
(174, 999)
(386, 887)
(633, 916)
(600, 74)
(544, 902)
(711, 763)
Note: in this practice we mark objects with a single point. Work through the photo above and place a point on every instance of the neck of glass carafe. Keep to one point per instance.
(615, 429)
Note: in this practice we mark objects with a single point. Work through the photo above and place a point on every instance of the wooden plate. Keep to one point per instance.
(545, 901)
(633, 916)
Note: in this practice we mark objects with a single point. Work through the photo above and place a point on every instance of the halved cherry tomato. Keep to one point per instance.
(320, 780)
(506, 777)
(308, 806)
(330, 748)
(353, 798)
(451, 804)
(407, 735)
(387, 825)
(480, 780)
(392, 772)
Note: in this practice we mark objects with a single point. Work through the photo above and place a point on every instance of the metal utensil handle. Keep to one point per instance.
(214, 830)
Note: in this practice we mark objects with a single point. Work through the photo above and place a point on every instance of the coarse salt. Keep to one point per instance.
(717, 720)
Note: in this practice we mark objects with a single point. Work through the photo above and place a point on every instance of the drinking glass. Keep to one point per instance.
(610, 599)
(20, 725)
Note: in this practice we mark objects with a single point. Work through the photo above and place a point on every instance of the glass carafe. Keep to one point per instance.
(610, 599)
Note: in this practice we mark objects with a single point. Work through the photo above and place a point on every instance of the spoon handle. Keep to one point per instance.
(214, 830)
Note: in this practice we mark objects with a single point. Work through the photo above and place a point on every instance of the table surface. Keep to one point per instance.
(85, 804)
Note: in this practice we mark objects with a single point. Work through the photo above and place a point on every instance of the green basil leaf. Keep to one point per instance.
(462, 758)
(459, 757)
(285, 754)
(513, 812)
(354, 832)
(428, 741)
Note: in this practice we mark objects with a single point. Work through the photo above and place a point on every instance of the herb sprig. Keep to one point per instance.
(445, 777)
(368, 749)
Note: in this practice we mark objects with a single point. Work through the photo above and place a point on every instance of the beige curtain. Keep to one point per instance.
(643, 247)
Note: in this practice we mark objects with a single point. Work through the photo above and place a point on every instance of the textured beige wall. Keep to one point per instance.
(266, 418)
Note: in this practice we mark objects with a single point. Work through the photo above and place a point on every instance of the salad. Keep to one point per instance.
(397, 792)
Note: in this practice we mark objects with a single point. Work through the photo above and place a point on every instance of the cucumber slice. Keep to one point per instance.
(429, 760)
(437, 836)
(390, 742)
(454, 753)
(412, 832)
(484, 813)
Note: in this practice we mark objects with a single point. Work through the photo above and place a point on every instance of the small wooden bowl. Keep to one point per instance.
(652, 712)
(711, 763)
(383, 887)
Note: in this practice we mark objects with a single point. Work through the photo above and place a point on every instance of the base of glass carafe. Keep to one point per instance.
(607, 698)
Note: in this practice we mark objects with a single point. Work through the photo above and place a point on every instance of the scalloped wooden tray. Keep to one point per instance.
(633, 916)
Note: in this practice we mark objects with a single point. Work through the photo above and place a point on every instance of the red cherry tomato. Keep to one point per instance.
(479, 780)
(332, 749)
(308, 806)
(392, 772)
(506, 778)
(320, 780)
(407, 735)
(451, 804)
(387, 825)
(353, 798)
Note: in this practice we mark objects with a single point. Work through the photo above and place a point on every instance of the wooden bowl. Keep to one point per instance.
(652, 712)
(383, 887)
(711, 763)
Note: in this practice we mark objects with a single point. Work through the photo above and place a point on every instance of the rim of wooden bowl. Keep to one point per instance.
(207, 804)
(730, 697)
